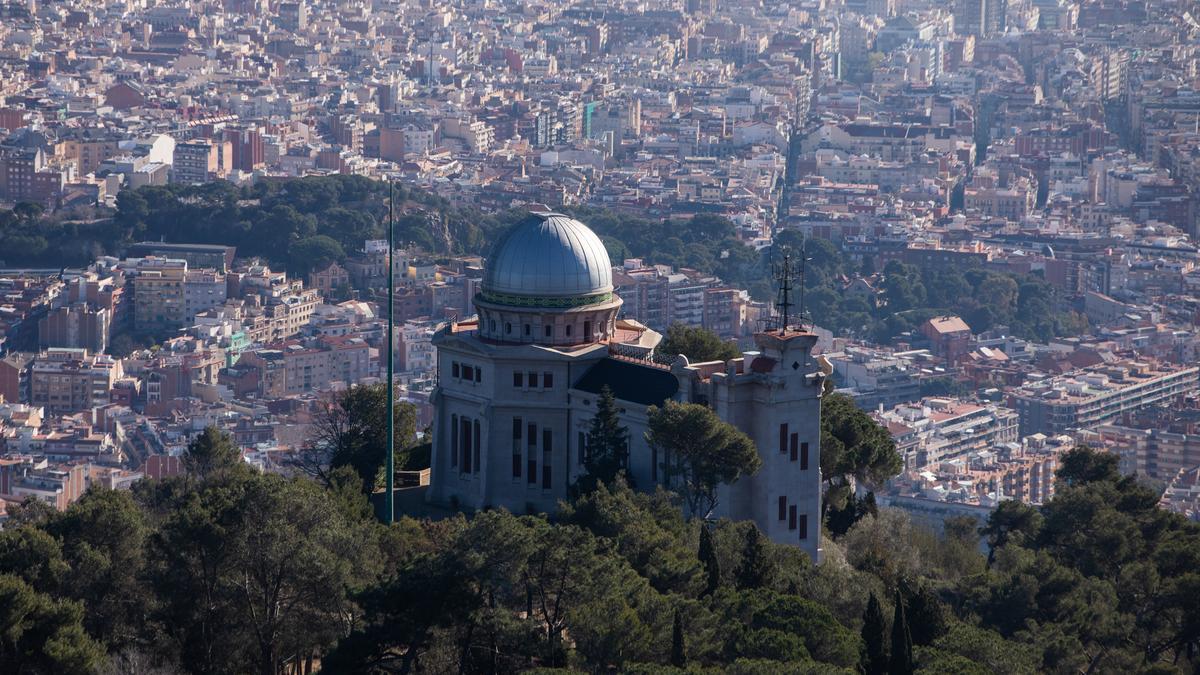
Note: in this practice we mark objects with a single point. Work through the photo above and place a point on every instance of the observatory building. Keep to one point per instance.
(518, 385)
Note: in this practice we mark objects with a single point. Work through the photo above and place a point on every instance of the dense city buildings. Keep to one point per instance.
(1009, 189)
(1092, 396)
(723, 336)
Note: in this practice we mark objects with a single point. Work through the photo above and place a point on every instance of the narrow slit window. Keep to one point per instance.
(547, 452)
(454, 440)
(475, 446)
(516, 447)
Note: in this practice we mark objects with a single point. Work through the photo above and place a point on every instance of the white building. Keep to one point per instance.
(518, 386)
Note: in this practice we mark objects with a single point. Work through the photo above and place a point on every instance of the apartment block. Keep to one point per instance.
(72, 380)
(1093, 396)
(939, 429)
(168, 296)
(78, 326)
(876, 378)
(201, 160)
(294, 367)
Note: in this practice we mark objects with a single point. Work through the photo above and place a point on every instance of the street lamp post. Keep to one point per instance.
(391, 389)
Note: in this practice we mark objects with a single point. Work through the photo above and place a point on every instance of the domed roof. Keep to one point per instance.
(548, 255)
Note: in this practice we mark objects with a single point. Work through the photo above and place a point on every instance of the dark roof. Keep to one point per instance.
(645, 385)
(762, 364)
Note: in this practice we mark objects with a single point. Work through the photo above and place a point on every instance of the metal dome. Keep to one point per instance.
(551, 256)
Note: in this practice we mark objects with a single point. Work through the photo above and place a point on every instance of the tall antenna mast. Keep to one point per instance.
(786, 273)
(391, 386)
(803, 276)
(783, 275)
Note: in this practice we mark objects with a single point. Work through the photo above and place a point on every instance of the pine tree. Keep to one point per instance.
(874, 657)
(211, 452)
(678, 657)
(607, 445)
(926, 615)
(902, 649)
(755, 570)
(708, 557)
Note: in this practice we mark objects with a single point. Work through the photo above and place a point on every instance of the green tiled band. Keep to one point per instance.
(547, 303)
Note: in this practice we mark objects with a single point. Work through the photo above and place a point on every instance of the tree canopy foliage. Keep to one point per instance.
(305, 223)
(697, 344)
(854, 450)
(699, 451)
(230, 570)
(606, 452)
(350, 430)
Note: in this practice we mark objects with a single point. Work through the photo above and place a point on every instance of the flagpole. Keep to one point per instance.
(391, 389)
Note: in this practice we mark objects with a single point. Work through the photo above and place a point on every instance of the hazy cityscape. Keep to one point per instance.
(722, 336)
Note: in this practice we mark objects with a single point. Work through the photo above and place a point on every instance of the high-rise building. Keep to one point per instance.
(168, 296)
(246, 148)
(195, 161)
(293, 16)
(75, 326)
(980, 17)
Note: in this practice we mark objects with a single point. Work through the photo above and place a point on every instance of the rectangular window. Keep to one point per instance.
(454, 440)
(465, 435)
(547, 380)
(516, 447)
(530, 453)
(533, 380)
(783, 437)
(782, 507)
(583, 454)
(478, 375)
(518, 379)
(803, 527)
(476, 447)
(804, 456)
(794, 446)
(454, 369)
(792, 518)
(468, 373)
(547, 449)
